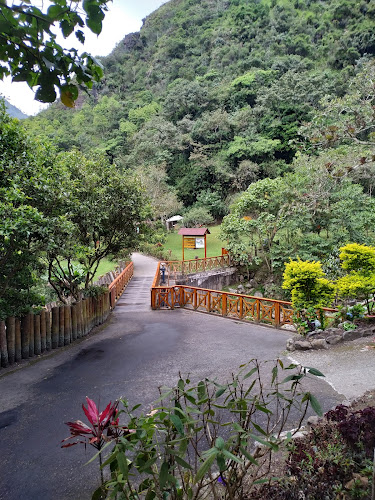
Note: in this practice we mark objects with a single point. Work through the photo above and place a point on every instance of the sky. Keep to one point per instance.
(124, 16)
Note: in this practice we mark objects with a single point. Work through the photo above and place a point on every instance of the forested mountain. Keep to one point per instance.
(13, 111)
(210, 95)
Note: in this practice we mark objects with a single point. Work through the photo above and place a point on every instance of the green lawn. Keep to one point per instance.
(214, 245)
(105, 266)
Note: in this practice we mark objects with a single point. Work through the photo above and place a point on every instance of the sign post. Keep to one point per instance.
(194, 238)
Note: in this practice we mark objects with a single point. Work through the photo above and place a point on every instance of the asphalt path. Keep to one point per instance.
(137, 351)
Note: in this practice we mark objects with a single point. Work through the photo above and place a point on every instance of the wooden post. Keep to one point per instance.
(43, 330)
(79, 320)
(25, 335)
(37, 341)
(18, 350)
(61, 325)
(277, 314)
(224, 304)
(48, 331)
(74, 321)
(55, 327)
(31, 338)
(11, 338)
(241, 308)
(67, 332)
(3, 345)
(205, 246)
(183, 248)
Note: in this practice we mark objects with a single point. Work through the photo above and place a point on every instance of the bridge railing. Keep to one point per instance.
(227, 304)
(173, 268)
(118, 285)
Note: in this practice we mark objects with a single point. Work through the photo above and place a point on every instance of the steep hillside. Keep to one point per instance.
(13, 110)
(210, 95)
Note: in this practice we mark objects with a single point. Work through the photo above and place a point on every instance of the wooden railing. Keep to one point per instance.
(33, 334)
(116, 288)
(174, 268)
(230, 305)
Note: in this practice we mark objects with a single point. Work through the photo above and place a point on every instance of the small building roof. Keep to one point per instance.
(175, 218)
(194, 231)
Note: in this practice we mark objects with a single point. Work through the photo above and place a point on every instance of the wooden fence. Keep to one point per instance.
(33, 334)
(174, 268)
(231, 305)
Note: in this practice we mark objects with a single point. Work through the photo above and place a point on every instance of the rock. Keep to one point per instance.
(346, 403)
(334, 339)
(313, 421)
(311, 334)
(232, 290)
(302, 345)
(290, 345)
(258, 294)
(334, 331)
(289, 327)
(367, 332)
(319, 344)
(241, 289)
(352, 335)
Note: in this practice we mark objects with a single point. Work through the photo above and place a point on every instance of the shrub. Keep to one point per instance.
(310, 291)
(203, 440)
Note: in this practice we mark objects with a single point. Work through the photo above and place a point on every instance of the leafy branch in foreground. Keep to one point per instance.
(30, 53)
(208, 439)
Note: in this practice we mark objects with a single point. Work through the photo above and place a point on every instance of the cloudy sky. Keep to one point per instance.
(124, 16)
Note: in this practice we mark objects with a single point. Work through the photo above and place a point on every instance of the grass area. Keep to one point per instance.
(214, 245)
(105, 266)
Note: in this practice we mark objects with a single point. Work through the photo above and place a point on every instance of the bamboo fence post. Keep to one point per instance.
(18, 349)
(3, 345)
(61, 325)
(79, 319)
(55, 327)
(31, 337)
(67, 330)
(91, 304)
(43, 330)
(25, 335)
(74, 311)
(48, 331)
(11, 338)
(37, 341)
(84, 317)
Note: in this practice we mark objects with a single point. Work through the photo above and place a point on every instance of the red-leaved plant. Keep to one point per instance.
(104, 427)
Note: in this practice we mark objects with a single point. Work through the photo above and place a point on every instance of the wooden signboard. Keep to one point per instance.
(189, 242)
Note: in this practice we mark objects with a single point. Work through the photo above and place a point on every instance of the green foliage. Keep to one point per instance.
(305, 280)
(61, 212)
(359, 283)
(359, 258)
(29, 51)
(197, 216)
(207, 89)
(160, 450)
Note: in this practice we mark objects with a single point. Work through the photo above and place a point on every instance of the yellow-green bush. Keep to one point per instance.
(305, 280)
(358, 258)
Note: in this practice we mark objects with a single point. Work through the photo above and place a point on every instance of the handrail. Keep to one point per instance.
(192, 266)
(228, 304)
(117, 286)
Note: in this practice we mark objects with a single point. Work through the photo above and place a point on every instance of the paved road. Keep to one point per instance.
(137, 351)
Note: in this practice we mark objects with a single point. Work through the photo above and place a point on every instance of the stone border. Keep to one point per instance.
(325, 339)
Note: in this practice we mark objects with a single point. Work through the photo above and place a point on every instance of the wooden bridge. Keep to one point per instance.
(167, 295)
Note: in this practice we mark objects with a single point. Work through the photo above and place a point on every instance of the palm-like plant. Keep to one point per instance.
(104, 427)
